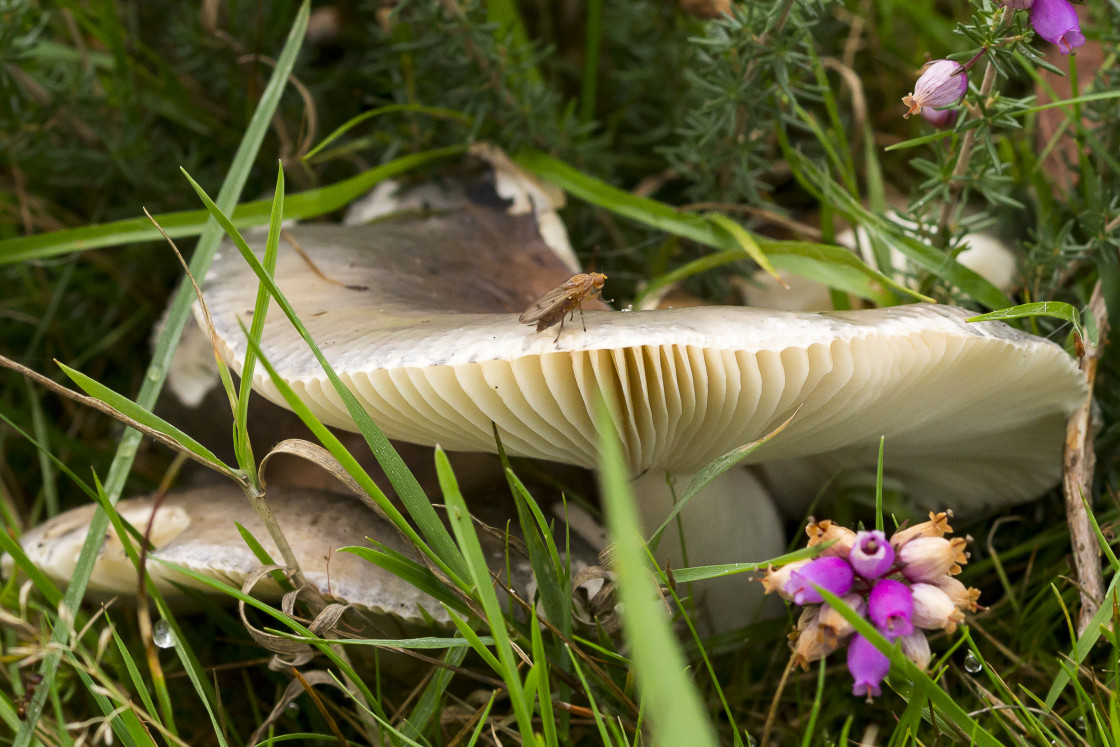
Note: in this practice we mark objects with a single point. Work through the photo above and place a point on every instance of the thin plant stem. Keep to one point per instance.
(1078, 467)
(949, 207)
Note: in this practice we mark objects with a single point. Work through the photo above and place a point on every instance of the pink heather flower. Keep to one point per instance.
(827, 531)
(903, 585)
(916, 648)
(833, 625)
(965, 598)
(871, 555)
(777, 579)
(868, 666)
(833, 574)
(1056, 21)
(940, 118)
(942, 83)
(933, 609)
(937, 526)
(927, 558)
(811, 642)
(890, 607)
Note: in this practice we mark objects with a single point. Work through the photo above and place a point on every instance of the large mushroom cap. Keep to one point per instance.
(419, 317)
(197, 529)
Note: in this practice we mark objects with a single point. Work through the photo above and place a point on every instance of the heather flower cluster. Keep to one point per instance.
(903, 585)
(942, 84)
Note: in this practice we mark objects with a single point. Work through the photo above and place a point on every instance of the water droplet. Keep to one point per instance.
(162, 634)
(972, 665)
(292, 708)
(1081, 724)
(155, 373)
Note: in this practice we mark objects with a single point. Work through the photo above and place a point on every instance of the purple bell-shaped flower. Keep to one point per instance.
(1056, 21)
(834, 574)
(871, 555)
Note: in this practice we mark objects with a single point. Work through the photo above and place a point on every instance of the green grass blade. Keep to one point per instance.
(402, 479)
(339, 452)
(1056, 309)
(1086, 642)
(544, 691)
(882, 229)
(432, 111)
(794, 256)
(815, 709)
(948, 706)
(130, 409)
(659, 666)
(127, 534)
(137, 679)
(117, 720)
(552, 583)
(45, 586)
(176, 318)
(324, 646)
(715, 468)
(260, 310)
(43, 449)
(308, 204)
(745, 240)
(409, 570)
(477, 733)
(479, 574)
(428, 704)
(604, 734)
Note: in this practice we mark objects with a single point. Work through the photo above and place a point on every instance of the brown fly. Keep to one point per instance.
(564, 300)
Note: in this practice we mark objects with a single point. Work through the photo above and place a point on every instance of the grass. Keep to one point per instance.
(692, 152)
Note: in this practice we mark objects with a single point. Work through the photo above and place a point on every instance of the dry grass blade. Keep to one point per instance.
(319, 456)
(1077, 475)
(320, 705)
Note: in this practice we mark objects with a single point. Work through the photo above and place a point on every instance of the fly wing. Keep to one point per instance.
(546, 304)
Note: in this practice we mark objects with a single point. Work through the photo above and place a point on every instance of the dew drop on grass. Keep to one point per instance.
(972, 665)
(162, 635)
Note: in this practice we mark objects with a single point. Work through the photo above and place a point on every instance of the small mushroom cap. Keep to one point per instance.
(196, 529)
(420, 320)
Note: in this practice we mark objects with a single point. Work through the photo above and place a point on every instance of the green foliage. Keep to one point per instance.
(693, 152)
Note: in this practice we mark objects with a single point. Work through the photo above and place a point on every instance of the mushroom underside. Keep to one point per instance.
(972, 413)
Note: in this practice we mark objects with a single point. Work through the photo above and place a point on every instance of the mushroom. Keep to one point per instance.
(984, 254)
(197, 529)
(419, 317)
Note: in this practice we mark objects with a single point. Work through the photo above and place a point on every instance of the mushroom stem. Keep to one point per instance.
(733, 520)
